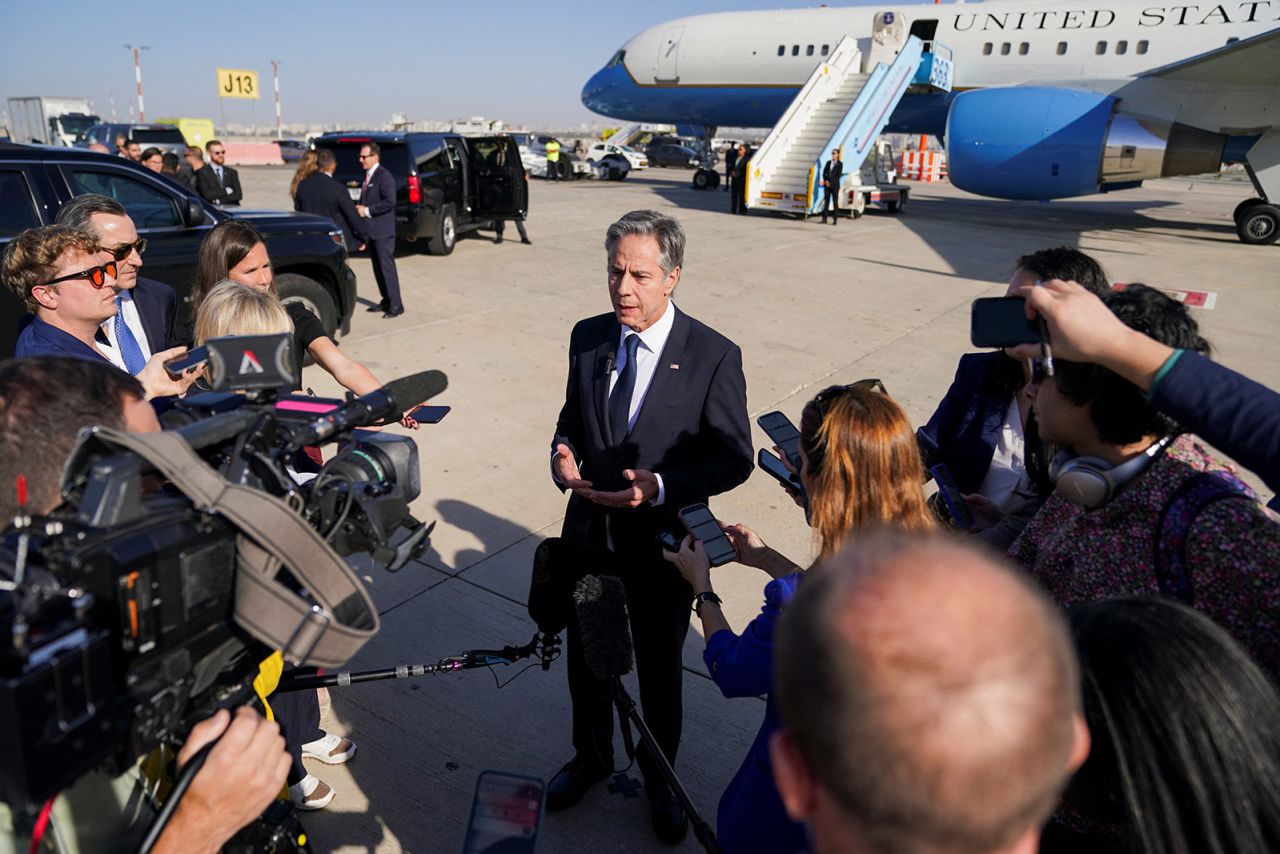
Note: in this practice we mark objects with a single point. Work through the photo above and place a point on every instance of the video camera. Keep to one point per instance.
(136, 609)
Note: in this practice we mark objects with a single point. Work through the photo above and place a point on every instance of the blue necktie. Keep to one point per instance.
(129, 349)
(620, 399)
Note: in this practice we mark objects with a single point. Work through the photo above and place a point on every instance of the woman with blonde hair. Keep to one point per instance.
(861, 470)
(306, 168)
(234, 309)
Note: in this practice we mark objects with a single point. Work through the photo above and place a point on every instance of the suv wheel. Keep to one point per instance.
(446, 233)
(294, 287)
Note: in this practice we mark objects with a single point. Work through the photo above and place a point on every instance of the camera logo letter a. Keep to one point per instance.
(249, 364)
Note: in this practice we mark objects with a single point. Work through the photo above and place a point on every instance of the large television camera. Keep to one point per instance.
(180, 560)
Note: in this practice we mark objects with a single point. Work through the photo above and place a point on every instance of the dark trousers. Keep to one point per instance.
(383, 252)
(728, 175)
(499, 226)
(737, 204)
(298, 713)
(553, 170)
(658, 605)
(829, 204)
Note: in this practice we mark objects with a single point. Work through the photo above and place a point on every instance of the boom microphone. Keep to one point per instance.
(558, 564)
(391, 400)
(600, 604)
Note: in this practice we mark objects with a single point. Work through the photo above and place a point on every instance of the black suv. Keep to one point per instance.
(307, 251)
(446, 184)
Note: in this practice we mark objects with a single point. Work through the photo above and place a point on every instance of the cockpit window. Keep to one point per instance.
(617, 59)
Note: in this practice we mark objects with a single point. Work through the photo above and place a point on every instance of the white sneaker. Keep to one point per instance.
(331, 750)
(310, 793)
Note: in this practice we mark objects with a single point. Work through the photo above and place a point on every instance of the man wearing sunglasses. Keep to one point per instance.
(145, 309)
(218, 182)
(69, 283)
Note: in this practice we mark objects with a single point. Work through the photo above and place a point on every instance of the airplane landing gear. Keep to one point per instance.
(1258, 224)
(706, 179)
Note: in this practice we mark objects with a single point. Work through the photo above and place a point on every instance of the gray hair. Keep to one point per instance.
(667, 230)
(77, 212)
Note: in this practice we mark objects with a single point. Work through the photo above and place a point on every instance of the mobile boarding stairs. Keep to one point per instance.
(845, 105)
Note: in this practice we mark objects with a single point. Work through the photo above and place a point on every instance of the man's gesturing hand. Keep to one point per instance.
(243, 774)
(644, 488)
(566, 468)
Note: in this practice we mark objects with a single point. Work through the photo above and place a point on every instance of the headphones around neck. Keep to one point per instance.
(1092, 482)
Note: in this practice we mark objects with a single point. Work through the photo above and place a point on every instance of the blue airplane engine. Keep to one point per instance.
(1028, 142)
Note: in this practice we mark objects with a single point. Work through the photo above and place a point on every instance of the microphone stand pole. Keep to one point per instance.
(627, 712)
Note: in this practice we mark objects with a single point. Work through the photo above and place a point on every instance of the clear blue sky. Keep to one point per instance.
(521, 61)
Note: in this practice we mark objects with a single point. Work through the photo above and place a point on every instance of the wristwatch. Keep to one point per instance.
(705, 596)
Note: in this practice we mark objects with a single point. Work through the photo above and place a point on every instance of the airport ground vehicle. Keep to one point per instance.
(307, 251)
(446, 184)
(164, 137)
(601, 149)
(670, 154)
(49, 121)
(291, 150)
(196, 132)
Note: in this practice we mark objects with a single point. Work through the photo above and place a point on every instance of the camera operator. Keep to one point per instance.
(44, 402)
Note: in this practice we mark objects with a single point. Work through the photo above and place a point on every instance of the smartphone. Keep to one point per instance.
(784, 434)
(670, 542)
(950, 493)
(506, 813)
(175, 368)
(430, 414)
(771, 465)
(1002, 322)
(699, 522)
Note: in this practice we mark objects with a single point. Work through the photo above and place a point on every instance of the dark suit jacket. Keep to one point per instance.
(380, 198)
(42, 339)
(692, 429)
(832, 172)
(157, 307)
(322, 194)
(207, 185)
(965, 428)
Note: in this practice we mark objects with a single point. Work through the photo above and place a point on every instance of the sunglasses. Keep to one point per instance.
(124, 250)
(822, 398)
(217, 153)
(97, 276)
(364, 156)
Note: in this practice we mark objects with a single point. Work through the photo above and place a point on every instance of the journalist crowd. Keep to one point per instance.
(1075, 649)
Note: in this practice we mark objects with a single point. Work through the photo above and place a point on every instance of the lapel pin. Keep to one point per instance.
(674, 366)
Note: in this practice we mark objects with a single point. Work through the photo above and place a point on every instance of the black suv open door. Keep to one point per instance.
(500, 186)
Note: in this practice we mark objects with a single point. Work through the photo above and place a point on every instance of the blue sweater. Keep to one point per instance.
(751, 816)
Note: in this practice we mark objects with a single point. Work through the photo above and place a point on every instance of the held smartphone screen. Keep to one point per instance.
(950, 493)
(1002, 322)
(771, 465)
(784, 434)
(429, 414)
(699, 522)
(505, 814)
(175, 368)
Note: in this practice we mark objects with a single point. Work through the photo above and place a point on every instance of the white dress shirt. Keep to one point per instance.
(111, 348)
(1005, 478)
(648, 354)
(368, 179)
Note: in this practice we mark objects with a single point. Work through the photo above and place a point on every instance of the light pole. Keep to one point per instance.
(275, 74)
(137, 74)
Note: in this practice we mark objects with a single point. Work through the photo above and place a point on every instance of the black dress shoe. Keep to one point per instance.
(393, 312)
(572, 782)
(526, 241)
(498, 239)
(381, 306)
(669, 820)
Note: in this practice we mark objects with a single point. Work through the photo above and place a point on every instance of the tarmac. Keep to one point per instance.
(811, 305)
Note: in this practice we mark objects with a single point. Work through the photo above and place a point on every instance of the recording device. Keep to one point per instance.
(506, 812)
(126, 616)
(175, 368)
(951, 496)
(1002, 322)
(772, 466)
(702, 526)
(430, 414)
(784, 434)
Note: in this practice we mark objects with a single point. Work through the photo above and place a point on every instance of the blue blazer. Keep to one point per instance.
(965, 428)
(751, 816)
(380, 198)
(42, 339)
(157, 306)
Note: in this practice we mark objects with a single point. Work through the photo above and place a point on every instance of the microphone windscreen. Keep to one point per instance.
(415, 388)
(551, 586)
(600, 604)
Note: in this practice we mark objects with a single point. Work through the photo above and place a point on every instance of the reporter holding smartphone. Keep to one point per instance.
(860, 468)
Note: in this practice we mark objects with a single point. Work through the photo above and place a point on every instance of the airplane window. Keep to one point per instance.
(1062, 48)
(1141, 47)
(617, 58)
(825, 49)
(782, 50)
(795, 50)
(1101, 48)
(808, 51)
(1122, 47)
(986, 49)
(1005, 48)
(1023, 49)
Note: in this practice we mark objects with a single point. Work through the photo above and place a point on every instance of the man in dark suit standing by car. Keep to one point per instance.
(218, 182)
(738, 189)
(378, 206)
(321, 194)
(831, 175)
(655, 419)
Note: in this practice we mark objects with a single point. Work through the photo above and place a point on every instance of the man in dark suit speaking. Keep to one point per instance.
(655, 419)
(378, 206)
(320, 193)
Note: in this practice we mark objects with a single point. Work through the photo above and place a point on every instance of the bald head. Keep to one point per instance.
(938, 702)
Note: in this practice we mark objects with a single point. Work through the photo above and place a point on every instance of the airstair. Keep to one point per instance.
(842, 105)
(629, 133)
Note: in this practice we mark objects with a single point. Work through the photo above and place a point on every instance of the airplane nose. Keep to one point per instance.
(593, 93)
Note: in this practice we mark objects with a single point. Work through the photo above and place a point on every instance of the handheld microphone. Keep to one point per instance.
(600, 604)
(391, 400)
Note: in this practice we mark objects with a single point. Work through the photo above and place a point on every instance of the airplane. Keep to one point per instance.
(1050, 100)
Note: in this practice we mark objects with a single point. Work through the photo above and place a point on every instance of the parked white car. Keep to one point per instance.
(601, 149)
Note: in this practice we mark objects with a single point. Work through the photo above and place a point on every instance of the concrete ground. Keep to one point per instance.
(811, 305)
